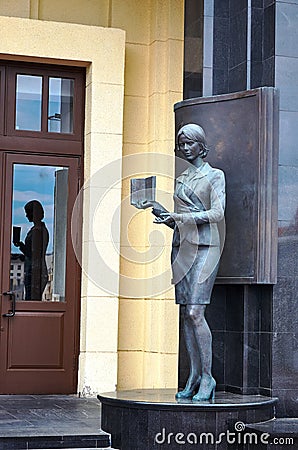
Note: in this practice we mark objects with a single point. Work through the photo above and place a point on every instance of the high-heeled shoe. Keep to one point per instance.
(187, 392)
(207, 389)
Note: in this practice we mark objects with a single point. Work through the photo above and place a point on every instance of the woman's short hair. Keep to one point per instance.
(196, 133)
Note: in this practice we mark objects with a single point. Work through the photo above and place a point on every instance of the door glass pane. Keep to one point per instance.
(28, 102)
(60, 112)
(39, 221)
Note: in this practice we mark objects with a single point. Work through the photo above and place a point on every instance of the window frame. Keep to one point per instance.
(46, 73)
(2, 98)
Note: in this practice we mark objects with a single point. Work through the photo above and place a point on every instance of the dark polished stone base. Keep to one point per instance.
(283, 433)
(146, 419)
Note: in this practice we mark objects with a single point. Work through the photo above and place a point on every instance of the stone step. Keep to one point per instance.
(281, 433)
(50, 422)
(50, 442)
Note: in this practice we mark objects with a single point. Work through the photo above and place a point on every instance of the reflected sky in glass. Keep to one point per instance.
(33, 183)
(28, 102)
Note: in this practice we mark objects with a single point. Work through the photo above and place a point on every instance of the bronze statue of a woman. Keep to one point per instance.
(199, 206)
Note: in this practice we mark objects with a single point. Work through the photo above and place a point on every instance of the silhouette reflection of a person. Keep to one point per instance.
(34, 248)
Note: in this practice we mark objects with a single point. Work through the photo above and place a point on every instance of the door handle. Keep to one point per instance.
(13, 308)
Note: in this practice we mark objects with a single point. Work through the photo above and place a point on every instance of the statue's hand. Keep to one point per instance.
(157, 207)
(168, 218)
(143, 205)
(147, 204)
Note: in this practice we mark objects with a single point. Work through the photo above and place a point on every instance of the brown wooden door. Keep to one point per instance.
(39, 343)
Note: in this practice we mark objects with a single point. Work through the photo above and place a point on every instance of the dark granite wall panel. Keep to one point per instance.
(257, 39)
(252, 359)
(234, 361)
(230, 46)
(269, 32)
(193, 48)
(255, 329)
(265, 362)
(238, 41)
(257, 3)
(237, 6)
(265, 308)
(285, 359)
(287, 265)
(247, 339)
(237, 78)
(222, 8)
(269, 2)
(221, 43)
(220, 49)
(287, 402)
(285, 308)
(262, 43)
(216, 311)
(251, 307)
(192, 85)
(262, 73)
(219, 358)
(235, 308)
(220, 81)
(237, 74)
(241, 321)
(257, 33)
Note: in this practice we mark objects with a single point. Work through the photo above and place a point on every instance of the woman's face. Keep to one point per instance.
(29, 214)
(191, 149)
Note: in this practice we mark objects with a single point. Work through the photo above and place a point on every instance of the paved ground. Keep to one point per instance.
(50, 421)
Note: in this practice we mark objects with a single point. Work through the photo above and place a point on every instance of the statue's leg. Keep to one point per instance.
(194, 377)
(193, 352)
(196, 315)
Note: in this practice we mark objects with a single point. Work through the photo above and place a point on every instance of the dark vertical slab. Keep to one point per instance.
(229, 46)
(262, 44)
(193, 48)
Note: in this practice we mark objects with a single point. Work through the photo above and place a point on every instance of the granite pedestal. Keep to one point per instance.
(146, 419)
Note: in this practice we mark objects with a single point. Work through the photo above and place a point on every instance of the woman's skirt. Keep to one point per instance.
(194, 270)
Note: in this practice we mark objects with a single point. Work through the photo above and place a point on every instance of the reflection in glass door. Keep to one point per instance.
(39, 221)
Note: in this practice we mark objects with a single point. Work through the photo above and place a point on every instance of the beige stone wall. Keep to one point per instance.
(139, 349)
(148, 327)
(29, 39)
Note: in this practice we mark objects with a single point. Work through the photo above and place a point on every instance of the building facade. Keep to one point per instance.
(131, 56)
(135, 60)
